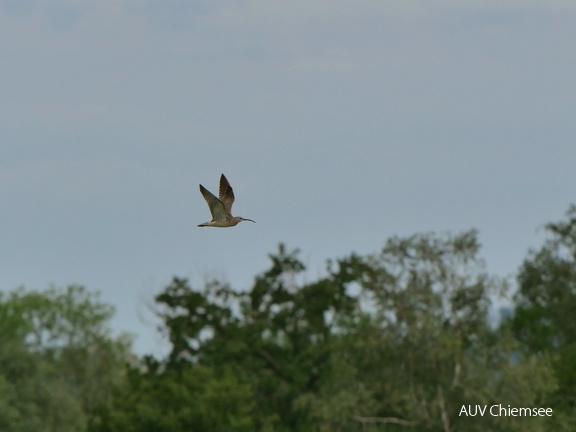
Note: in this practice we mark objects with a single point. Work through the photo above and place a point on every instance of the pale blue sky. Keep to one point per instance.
(339, 124)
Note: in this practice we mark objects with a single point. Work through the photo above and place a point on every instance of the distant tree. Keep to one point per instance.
(546, 298)
(545, 304)
(278, 335)
(425, 344)
(58, 362)
(31, 398)
(189, 399)
(399, 340)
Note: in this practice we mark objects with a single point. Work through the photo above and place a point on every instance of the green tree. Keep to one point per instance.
(424, 345)
(277, 335)
(188, 399)
(546, 301)
(400, 339)
(58, 362)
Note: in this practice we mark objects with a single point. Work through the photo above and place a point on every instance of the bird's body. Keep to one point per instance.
(221, 209)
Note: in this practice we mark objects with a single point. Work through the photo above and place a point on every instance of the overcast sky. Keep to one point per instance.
(338, 123)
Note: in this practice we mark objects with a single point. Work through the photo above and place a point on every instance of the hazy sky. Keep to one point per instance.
(338, 123)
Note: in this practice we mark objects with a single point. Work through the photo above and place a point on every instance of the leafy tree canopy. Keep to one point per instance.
(58, 362)
(399, 339)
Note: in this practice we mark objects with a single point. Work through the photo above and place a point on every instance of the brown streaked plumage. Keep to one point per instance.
(221, 209)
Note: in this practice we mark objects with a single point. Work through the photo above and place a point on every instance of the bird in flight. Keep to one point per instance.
(221, 209)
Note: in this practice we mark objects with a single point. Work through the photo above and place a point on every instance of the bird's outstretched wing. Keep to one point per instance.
(216, 206)
(226, 194)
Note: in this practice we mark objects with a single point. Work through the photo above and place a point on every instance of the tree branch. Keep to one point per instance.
(445, 420)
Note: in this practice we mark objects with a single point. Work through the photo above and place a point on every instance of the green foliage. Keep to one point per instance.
(192, 399)
(277, 335)
(31, 399)
(425, 346)
(546, 301)
(546, 297)
(57, 361)
(392, 341)
(397, 340)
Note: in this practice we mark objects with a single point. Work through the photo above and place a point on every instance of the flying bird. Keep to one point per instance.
(221, 209)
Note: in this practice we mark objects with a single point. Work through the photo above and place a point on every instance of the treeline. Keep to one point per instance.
(400, 340)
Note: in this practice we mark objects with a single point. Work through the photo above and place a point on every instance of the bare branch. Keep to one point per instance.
(445, 420)
(457, 370)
